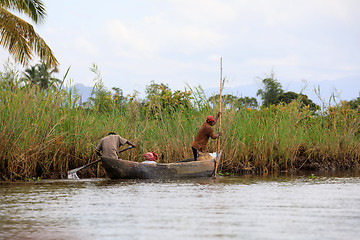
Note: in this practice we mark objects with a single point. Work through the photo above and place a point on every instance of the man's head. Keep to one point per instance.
(210, 119)
(112, 133)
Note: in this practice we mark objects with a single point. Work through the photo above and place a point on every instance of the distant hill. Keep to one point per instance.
(84, 91)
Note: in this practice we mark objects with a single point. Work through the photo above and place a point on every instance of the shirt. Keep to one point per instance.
(202, 137)
(110, 145)
(149, 162)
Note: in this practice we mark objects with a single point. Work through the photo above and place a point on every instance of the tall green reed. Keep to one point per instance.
(46, 133)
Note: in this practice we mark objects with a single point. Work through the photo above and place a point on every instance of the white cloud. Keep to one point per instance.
(86, 47)
(279, 62)
(182, 41)
(205, 12)
(154, 35)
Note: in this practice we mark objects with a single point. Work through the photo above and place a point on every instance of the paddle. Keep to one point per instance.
(72, 173)
(218, 139)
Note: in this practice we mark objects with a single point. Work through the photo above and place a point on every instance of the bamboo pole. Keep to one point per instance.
(218, 139)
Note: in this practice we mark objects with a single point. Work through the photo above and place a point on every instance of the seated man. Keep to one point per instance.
(109, 145)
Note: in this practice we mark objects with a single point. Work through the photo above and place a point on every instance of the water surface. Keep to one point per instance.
(246, 207)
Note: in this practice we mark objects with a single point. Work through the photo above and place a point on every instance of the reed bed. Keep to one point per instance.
(44, 134)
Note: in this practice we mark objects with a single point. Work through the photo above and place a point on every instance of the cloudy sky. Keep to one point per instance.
(180, 42)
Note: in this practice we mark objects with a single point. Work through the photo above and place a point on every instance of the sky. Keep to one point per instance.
(306, 44)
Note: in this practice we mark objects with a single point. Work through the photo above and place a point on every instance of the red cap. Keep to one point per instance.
(210, 118)
(150, 156)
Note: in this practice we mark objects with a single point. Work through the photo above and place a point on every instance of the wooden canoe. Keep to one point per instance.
(122, 169)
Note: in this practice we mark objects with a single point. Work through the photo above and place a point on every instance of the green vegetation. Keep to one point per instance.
(45, 131)
(355, 104)
(41, 76)
(18, 36)
(270, 92)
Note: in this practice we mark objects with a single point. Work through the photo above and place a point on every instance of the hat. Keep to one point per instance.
(150, 156)
(210, 118)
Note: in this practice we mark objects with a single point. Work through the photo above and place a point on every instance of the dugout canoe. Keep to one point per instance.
(124, 169)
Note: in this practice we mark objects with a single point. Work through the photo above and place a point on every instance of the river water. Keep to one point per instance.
(246, 207)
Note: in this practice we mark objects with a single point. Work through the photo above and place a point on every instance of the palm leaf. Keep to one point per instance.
(32, 8)
(20, 39)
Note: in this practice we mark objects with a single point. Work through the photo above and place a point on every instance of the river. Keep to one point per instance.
(309, 206)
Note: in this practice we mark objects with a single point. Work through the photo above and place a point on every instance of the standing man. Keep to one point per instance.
(202, 137)
(110, 145)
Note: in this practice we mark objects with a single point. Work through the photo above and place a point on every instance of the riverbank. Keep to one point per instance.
(45, 134)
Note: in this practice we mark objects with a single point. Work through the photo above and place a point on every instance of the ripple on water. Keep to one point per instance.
(294, 207)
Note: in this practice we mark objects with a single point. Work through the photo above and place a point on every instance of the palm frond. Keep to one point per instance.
(20, 38)
(32, 8)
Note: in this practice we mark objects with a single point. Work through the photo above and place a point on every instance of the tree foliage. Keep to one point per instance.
(10, 78)
(18, 36)
(227, 100)
(247, 102)
(354, 103)
(270, 91)
(288, 97)
(231, 101)
(118, 97)
(42, 76)
(159, 97)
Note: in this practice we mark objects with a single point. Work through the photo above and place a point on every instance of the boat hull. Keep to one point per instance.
(124, 169)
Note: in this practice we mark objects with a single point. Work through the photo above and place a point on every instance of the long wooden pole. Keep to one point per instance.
(218, 139)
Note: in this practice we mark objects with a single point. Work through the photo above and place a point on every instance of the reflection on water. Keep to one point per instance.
(247, 207)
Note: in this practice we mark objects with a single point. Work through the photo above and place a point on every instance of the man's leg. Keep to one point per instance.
(195, 152)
